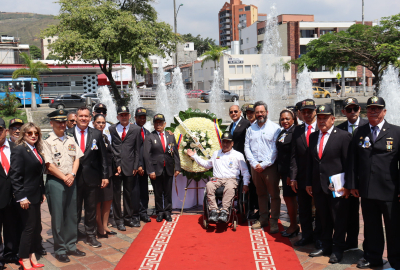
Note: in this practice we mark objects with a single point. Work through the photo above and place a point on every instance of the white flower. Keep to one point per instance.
(203, 143)
(202, 134)
(208, 150)
(210, 142)
(185, 151)
(192, 145)
(184, 144)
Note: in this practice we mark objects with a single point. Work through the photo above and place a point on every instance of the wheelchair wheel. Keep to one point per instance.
(234, 225)
(205, 224)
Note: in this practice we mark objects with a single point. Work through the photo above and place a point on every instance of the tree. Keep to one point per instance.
(213, 54)
(32, 69)
(35, 52)
(102, 30)
(139, 66)
(53, 57)
(374, 47)
(200, 44)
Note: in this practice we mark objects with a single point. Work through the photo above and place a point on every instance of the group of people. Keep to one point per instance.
(88, 163)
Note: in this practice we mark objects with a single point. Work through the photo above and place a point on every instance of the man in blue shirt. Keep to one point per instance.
(261, 152)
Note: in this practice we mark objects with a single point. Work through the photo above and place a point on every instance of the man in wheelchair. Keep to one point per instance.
(228, 164)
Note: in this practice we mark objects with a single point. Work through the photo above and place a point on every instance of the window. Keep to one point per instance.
(241, 41)
(48, 41)
(307, 33)
(154, 61)
(78, 83)
(247, 69)
(232, 69)
(66, 97)
(303, 49)
(240, 9)
(75, 97)
(247, 8)
(247, 40)
(240, 69)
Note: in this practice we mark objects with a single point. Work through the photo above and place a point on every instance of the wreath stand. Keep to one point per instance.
(188, 182)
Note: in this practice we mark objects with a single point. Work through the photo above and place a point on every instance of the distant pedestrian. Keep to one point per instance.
(338, 89)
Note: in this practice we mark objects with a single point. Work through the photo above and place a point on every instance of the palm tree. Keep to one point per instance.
(33, 69)
(213, 54)
(139, 65)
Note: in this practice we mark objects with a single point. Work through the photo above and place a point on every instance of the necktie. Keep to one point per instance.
(233, 128)
(82, 141)
(4, 160)
(36, 153)
(321, 145)
(123, 134)
(353, 127)
(374, 133)
(142, 134)
(162, 141)
(308, 135)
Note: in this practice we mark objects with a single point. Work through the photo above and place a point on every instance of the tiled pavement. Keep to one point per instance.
(114, 248)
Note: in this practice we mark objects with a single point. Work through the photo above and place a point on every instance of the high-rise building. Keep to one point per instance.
(229, 17)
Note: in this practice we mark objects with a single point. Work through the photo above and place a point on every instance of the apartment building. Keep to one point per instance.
(10, 50)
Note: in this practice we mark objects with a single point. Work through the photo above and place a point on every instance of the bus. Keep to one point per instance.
(18, 86)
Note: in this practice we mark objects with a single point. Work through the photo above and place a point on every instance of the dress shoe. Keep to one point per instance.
(318, 244)
(145, 218)
(63, 258)
(363, 264)
(92, 241)
(303, 242)
(168, 217)
(129, 224)
(121, 227)
(335, 258)
(160, 218)
(213, 216)
(290, 235)
(111, 233)
(273, 226)
(37, 265)
(99, 235)
(258, 225)
(77, 253)
(320, 253)
(136, 222)
(23, 267)
(223, 216)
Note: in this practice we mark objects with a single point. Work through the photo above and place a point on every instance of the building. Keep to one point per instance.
(44, 46)
(10, 50)
(229, 17)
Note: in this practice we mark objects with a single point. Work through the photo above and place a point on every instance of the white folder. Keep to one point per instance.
(338, 182)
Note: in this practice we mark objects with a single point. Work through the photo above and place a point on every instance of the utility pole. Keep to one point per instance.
(364, 82)
(175, 25)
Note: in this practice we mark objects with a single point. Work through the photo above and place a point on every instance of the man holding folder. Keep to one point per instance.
(327, 160)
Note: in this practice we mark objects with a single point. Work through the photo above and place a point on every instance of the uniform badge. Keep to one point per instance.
(282, 138)
(155, 141)
(367, 143)
(71, 147)
(389, 145)
(94, 145)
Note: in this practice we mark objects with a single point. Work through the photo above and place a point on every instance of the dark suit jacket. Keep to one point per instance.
(333, 160)
(126, 152)
(239, 135)
(93, 165)
(5, 183)
(109, 156)
(26, 174)
(299, 153)
(142, 163)
(344, 125)
(374, 171)
(284, 150)
(154, 156)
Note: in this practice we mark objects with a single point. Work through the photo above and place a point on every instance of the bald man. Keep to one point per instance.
(238, 128)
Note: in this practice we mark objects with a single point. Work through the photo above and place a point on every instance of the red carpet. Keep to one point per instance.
(184, 244)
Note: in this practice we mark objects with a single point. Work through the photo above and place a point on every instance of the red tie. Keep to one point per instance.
(36, 153)
(321, 145)
(163, 143)
(142, 134)
(308, 135)
(4, 160)
(83, 141)
(123, 134)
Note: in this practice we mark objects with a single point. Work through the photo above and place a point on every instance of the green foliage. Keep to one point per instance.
(213, 54)
(200, 44)
(35, 52)
(9, 104)
(101, 30)
(53, 57)
(259, 47)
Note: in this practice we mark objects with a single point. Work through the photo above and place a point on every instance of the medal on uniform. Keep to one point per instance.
(94, 145)
(367, 143)
(71, 147)
(282, 138)
(389, 145)
(170, 150)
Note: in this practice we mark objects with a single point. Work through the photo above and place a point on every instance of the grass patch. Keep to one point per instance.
(21, 114)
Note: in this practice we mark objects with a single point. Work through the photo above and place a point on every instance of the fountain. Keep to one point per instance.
(177, 97)
(134, 101)
(390, 92)
(217, 104)
(304, 85)
(162, 100)
(105, 97)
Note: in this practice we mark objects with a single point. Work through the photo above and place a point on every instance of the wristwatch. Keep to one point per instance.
(74, 175)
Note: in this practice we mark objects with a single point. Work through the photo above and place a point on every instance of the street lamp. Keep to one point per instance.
(176, 32)
(23, 92)
(364, 83)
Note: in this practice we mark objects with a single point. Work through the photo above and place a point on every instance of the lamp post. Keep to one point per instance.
(176, 32)
(364, 83)
(23, 92)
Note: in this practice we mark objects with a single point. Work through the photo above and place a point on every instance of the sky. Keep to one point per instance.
(200, 17)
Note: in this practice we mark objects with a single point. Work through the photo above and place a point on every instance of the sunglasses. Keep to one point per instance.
(374, 109)
(30, 133)
(101, 111)
(230, 112)
(15, 128)
(350, 109)
(72, 121)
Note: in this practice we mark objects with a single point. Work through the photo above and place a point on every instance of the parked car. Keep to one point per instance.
(69, 101)
(93, 96)
(194, 93)
(228, 96)
(319, 92)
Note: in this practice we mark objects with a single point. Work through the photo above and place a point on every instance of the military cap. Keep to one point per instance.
(308, 104)
(350, 101)
(99, 106)
(58, 115)
(140, 111)
(227, 136)
(2, 123)
(250, 107)
(158, 116)
(376, 101)
(298, 106)
(324, 109)
(122, 109)
(15, 121)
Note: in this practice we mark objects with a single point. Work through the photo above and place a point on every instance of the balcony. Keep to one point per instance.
(226, 33)
(305, 41)
(226, 38)
(225, 15)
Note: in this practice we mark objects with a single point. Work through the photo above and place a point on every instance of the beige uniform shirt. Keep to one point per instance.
(61, 153)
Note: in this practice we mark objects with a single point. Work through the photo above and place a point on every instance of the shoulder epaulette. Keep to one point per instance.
(69, 134)
(45, 137)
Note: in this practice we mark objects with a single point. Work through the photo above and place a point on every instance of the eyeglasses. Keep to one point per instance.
(350, 109)
(101, 111)
(30, 133)
(15, 128)
(231, 112)
(374, 109)
(72, 121)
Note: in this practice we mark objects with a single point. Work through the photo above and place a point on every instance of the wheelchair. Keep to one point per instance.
(242, 202)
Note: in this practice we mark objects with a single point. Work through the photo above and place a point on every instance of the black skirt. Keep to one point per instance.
(105, 194)
(287, 190)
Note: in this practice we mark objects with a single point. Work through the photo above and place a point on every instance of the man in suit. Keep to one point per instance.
(238, 128)
(298, 175)
(92, 173)
(140, 120)
(327, 156)
(352, 109)
(162, 164)
(125, 145)
(373, 175)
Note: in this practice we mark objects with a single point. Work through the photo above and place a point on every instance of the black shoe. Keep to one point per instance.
(99, 235)
(63, 258)
(213, 216)
(145, 218)
(320, 253)
(363, 264)
(335, 258)
(11, 259)
(121, 227)
(255, 215)
(350, 248)
(168, 217)
(77, 253)
(111, 233)
(92, 241)
(160, 217)
(223, 216)
(42, 251)
(112, 222)
(303, 242)
(135, 222)
(290, 235)
(129, 224)
(318, 244)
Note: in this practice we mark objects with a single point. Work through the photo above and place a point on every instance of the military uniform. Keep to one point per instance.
(62, 152)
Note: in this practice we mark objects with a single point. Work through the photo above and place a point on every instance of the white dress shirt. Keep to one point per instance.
(326, 137)
(380, 125)
(120, 129)
(165, 138)
(6, 151)
(313, 125)
(78, 135)
(226, 165)
(349, 128)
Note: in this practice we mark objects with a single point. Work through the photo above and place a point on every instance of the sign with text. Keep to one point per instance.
(235, 61)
